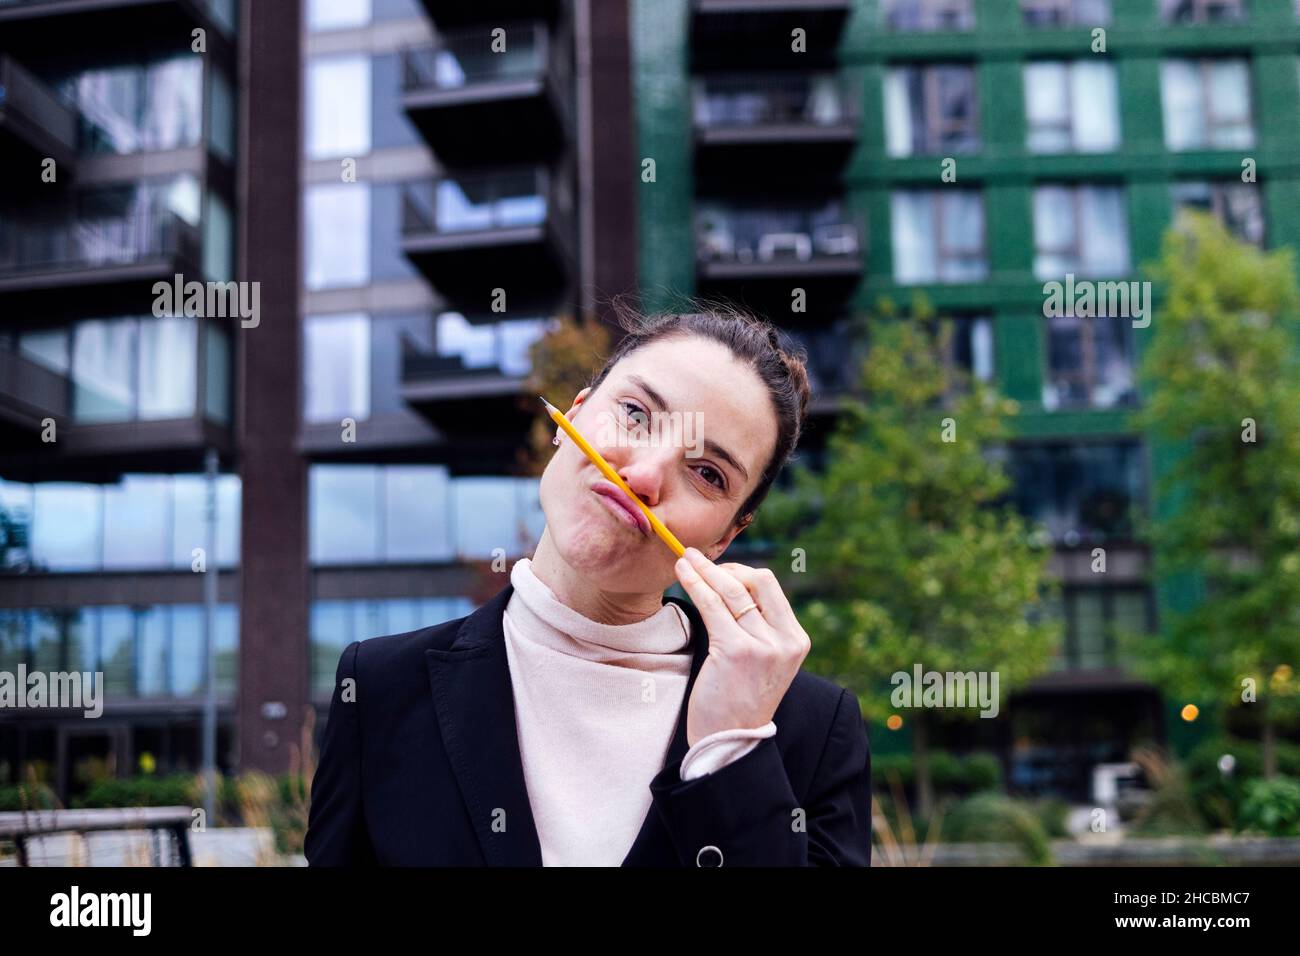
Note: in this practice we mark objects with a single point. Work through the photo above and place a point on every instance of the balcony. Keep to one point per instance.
(472, 104)
(34, 125)
(29, 393)
(451, 13)
(756, 255)
(120, 25)
(788, 124)
(64, 264)
(472, 385)
(758, 31)
(472, 233)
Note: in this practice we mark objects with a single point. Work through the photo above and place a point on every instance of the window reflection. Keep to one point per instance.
(1081, 493)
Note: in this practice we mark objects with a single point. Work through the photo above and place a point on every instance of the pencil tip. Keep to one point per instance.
(545, 402)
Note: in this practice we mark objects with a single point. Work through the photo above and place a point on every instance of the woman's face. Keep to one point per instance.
(689, 428)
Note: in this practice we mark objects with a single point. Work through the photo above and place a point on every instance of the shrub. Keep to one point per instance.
(993, 818)
(1218, 796)
(1271, 807)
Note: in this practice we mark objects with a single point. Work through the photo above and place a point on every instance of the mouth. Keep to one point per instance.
(617, 502)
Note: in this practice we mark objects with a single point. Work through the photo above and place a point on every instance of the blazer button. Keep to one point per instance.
(700, 856)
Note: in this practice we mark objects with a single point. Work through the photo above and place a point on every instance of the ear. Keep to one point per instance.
(577, 401)
(716, 549)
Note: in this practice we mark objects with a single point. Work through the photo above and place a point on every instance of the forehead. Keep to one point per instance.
(697, 374)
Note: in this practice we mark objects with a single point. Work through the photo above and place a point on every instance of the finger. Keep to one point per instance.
(734, 594)
(718, 619)
(766, 590)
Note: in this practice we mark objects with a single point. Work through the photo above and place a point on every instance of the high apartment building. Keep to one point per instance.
(420, 189)
(1065, 158)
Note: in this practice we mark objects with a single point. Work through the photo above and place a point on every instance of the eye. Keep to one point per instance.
(636, 416)
(721, 482)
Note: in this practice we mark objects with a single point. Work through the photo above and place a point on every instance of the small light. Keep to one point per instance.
(894, 722)
(1191, 712)
(1227, 763)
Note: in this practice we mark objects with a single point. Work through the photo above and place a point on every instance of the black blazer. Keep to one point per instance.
(422, 767)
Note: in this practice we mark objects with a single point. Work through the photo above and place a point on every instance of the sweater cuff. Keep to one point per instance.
(718, 749)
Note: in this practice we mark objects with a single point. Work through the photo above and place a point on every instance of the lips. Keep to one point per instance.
(611, 491)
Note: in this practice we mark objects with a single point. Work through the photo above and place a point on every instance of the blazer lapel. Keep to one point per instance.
(475, 704)
(652, 842)
(476, 715)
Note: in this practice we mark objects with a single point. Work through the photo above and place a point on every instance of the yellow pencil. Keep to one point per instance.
(660, 529)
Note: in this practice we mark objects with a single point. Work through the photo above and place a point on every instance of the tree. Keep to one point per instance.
(1221, 384)
(911, 556)
(562, 362)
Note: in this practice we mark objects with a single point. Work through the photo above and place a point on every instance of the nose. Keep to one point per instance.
(646, 471)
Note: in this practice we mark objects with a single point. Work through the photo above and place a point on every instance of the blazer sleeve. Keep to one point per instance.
(746, 813)
(336, 827)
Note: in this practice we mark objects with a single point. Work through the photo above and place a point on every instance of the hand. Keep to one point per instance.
(752, 660)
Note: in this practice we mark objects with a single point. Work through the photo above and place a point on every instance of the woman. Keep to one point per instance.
(580, 717)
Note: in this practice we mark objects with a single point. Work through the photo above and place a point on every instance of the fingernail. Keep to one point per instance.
(693, 554)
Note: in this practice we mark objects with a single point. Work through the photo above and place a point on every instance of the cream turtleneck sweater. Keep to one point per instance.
(595, 710)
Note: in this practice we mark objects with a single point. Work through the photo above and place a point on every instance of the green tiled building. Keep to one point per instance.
(974, 151)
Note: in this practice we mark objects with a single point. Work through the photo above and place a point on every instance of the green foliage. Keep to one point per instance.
(28, 797)
(562, 363)
(951, 774)
(1224, 352)
(1272, 806)
(994, 818)
(1218, 796)
(910, 558)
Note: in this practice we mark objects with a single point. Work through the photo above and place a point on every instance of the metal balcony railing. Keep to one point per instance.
(776, 235)
(757, 100)
(477, 202)
(65, 243)
(462, 58)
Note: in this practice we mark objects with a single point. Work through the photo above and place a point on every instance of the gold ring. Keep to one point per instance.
(745, 610)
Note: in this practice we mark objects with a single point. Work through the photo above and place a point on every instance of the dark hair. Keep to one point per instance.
(751, 340)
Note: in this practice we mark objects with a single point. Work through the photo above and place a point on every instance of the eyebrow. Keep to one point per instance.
(709, 444)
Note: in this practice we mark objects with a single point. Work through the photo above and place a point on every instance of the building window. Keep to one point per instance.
(337, 367)
(1237, 205)
(337, 14)
(938, 236)
(500, 345)
(1202, 11)
(337, 225)
(1206, 104)
(971, 346)
(1081, 230)
(1071, 107)
(930, 15)
(338, 106)
(336, 624)
(1065, 13)
(1093, 619)
(137, 107)
(746, 101)
(731, 233)
(146, 522)
(377, 514)
(931, 110)
(134, 369)
(1089, 362)
(1081, 493)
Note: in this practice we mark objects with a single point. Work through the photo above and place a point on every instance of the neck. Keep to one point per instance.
(576, 591)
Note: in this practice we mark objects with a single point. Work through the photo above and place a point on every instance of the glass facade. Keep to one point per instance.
(365, 514)
(1081, 493)
(938, 236)
(145, 522)
(145, 652)
(336, 624)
